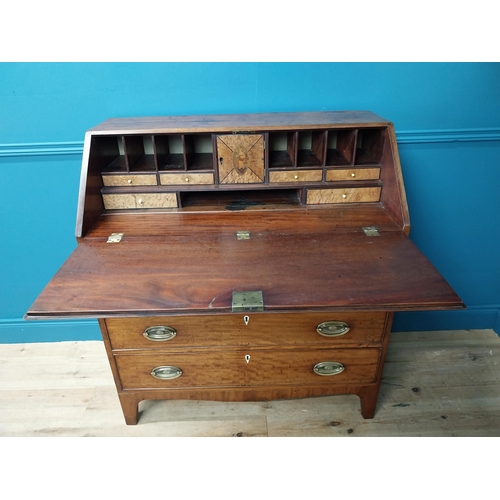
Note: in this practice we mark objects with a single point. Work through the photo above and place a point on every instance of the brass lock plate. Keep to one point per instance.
(247, 301)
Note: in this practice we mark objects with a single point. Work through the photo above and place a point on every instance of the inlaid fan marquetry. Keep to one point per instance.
(240, 158)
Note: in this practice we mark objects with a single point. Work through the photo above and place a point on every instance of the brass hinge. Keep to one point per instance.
(115, 238)
(247, 301)
(243, 235)
(371, 231)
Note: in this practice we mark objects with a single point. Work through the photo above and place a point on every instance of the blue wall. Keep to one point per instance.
(447, 119)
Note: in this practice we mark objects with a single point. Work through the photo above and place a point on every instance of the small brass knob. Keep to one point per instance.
(353, 175)
(140, 201)
(130, 181)
(187, 179)
(344, 196)
(295, 176)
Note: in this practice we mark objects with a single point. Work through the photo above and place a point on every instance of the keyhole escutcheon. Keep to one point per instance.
(247, 358)
(246, 319)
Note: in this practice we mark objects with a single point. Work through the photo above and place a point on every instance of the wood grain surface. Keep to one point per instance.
(259, 329)
(239, 122)
(219, 369)
(197, 271)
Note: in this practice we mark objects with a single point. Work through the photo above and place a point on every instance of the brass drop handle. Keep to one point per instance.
(160, 333)
(166, 372)
(332, 328)
(328, 368)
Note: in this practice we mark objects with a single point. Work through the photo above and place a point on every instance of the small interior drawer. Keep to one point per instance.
(139, 200)
(352, 174)
(186, 178)
(295, 176)
(130, 180)
(343, 195)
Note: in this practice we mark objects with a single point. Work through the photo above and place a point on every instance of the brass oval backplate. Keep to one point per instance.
(332, 328)
(166, 372)
(328, 368)
(160, 333)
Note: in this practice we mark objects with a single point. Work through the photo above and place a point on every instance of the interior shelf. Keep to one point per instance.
(241, 199)
(311, 148)
(169, 152)
(126, 154)
(199, 152)
(370, 144)
(117, 165)
(108, 152)
(340, 147)
(282, 149)
(139, 153)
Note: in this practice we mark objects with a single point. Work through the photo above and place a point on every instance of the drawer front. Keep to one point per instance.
(296, 176)
(239, 329)
(139, 200)
(252, 367)
(130, 180)
(343, 195)
(186, 178)
(353, 174)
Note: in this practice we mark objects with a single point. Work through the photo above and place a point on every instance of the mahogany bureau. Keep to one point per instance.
(243, 257)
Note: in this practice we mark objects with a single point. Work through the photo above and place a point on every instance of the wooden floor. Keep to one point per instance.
(444, 383)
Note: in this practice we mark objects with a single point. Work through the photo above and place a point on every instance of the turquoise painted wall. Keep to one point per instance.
(447, 119)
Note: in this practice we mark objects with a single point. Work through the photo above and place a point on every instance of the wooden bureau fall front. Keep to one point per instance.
(243, 257)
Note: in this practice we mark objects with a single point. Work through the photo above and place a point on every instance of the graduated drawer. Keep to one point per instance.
(139, 200)
(130, 180)
(352, 174)
(186, 178)
(240, 329)
(343, 195)
(296, 176)
(251, 367)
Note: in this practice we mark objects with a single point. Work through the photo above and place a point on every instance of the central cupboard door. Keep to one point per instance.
(240, 158)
